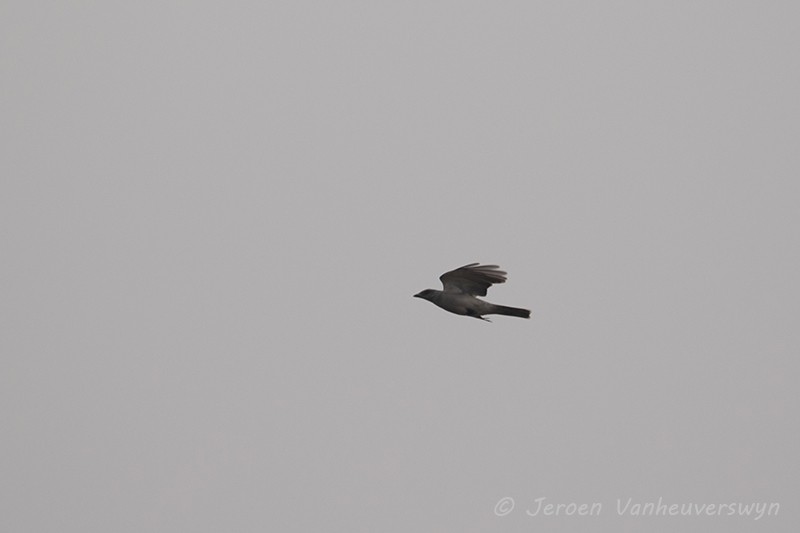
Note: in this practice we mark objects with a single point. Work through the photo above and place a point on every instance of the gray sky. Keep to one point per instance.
(214, 217)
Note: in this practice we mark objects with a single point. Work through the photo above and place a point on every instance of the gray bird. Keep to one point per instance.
(462, 285)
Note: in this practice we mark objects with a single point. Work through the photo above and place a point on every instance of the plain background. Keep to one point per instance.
(214, 216)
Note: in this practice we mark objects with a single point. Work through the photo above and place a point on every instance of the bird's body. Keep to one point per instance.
(462, 285)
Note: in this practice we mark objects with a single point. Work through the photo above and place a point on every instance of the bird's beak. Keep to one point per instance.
(418, 295)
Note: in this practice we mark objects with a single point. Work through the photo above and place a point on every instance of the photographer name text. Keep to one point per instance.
(542, 507)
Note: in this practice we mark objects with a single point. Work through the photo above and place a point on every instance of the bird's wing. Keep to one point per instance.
(472, 279)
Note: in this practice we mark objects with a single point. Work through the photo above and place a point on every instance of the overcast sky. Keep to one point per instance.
(214, 216)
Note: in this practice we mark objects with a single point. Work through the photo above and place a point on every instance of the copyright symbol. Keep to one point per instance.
(504, 506)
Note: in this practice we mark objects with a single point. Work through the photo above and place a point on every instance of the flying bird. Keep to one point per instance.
(462, 285)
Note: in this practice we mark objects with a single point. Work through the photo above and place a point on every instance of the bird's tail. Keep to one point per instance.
(511, 311)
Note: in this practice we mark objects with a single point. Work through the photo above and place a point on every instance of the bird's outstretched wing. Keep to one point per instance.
(472, 279)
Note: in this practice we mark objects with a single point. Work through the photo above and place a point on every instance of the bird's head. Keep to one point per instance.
(427, 294)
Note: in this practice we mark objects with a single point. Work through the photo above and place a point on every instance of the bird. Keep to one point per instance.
(462, 285)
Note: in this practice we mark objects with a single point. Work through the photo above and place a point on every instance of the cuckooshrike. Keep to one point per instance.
(462, 285)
